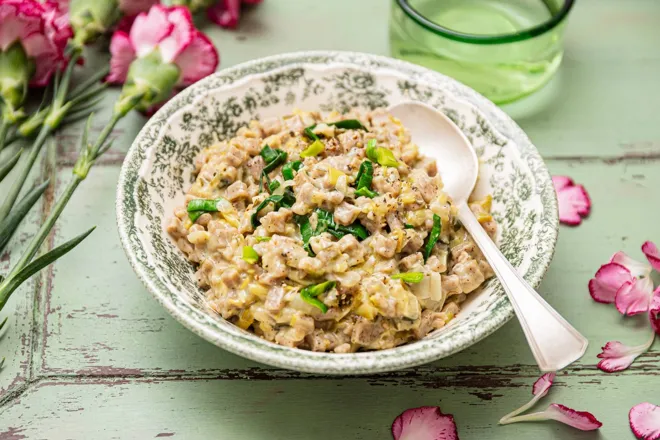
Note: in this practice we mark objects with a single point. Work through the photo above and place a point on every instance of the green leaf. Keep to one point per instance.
(268, 154)
(4, 321)
(310, 293)
(409, 277)
(326, 221)
(289, 168)
(433, 236)
(11, 284)
(306, 231)
(366, 192)
(9, 165)
(310, 134)
(9, 225)
(250, 255)
(349, 124)
(285, 200)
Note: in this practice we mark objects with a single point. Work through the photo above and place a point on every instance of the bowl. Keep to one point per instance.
(158, 169)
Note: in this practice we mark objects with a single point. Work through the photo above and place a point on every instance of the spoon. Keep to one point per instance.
(554, 342)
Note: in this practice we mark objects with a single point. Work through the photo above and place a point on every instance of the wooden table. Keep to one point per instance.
(91, 355)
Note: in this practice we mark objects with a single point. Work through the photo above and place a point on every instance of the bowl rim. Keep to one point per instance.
(522, 35)
(332, 363)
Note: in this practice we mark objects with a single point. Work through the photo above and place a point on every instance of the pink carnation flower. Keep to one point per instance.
(169, 33)
(41, 29)
(227, 13)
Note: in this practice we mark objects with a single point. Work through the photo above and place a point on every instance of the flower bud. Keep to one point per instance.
(91, 18)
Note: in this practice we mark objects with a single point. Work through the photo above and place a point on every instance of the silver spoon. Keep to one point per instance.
(554, 342)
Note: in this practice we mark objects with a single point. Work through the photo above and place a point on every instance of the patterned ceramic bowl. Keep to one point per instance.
(158, 169)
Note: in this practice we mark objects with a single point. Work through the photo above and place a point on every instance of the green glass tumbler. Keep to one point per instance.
(504, 49)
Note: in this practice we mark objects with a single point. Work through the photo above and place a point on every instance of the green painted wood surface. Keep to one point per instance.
(90, 355)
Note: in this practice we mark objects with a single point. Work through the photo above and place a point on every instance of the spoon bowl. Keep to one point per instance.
(458, 166)
(553, 341)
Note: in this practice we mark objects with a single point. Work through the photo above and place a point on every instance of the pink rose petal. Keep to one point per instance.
(424, 423)
(652, 254)
(582, 420)
(122, 56)
(617, 356)
(654, 311)
(636, 268)
(198, 60)
(645, 421)
(607, 281)
(634, 296)
(574, 202)
(543, 384)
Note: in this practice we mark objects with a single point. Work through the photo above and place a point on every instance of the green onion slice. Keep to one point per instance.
(289, 168)
(409, 277)
(310, 293)
(366, 192)
(285, 200)
(314, 149)
(433, 236)
(250, 255)
(197, 207)
(381, 155)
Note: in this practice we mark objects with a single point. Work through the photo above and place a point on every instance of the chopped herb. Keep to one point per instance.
(310, 134)
(383, 156)
(366, 192)
(409, 277)
(365, 175)
(272, 186)
(268, 154)
(306, 231)
(314, 149)
(407, 226)
(261, 239)
(280, 159)
(433, 236)
(289, 168)
(285, 200)
(197, 207)
(326, 222)
(310, 293)
(250, 255)
(349, 124)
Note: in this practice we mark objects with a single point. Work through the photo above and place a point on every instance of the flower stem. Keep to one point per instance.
(52, 121)
(4, 128)
(15, 189)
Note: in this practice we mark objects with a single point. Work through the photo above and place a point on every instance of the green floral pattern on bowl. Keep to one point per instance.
(159, 164)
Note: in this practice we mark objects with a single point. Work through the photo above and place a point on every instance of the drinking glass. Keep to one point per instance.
(504, 49)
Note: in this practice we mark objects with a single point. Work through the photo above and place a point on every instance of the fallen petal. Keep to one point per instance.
(424, 423)
(652, 254)
(607, 281)
(636, 268)
(634, 296)
(543, 384)
(645, 421)
(654, 311)
(617, 356)
(574, 202)
(582, 420)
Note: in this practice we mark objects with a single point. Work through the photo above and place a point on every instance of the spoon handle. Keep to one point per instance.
(554, 342)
